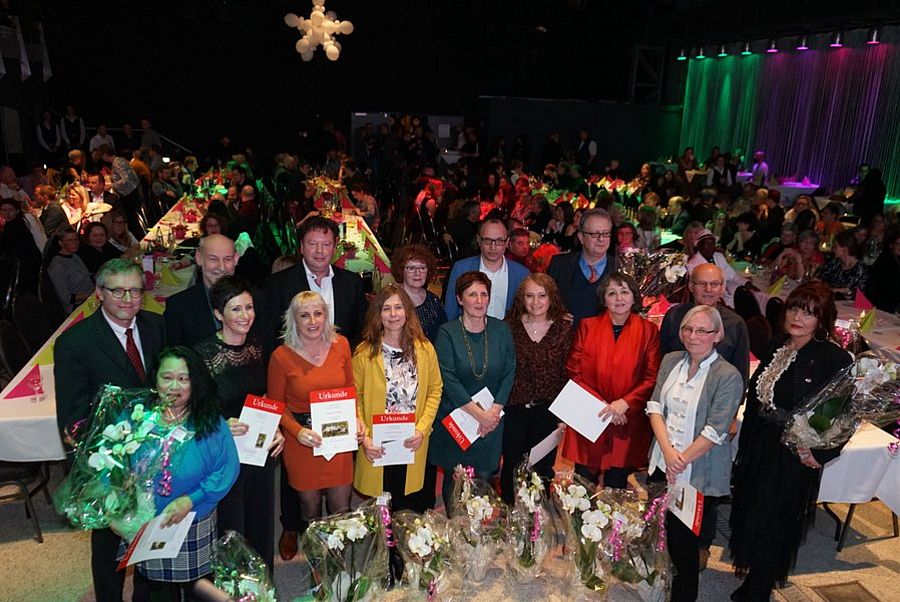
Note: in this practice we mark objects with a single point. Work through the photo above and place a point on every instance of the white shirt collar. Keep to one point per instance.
(310, 274)
(484, 268)
(119, 330)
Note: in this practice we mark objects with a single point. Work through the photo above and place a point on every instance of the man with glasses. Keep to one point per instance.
(578, 275)
(505, 275)
(707, 286)
(115, 345)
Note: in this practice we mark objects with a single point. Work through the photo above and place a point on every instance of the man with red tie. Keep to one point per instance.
(578, 275)
(115, 345)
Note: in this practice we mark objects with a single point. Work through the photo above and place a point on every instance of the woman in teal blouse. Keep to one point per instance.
(474, 351)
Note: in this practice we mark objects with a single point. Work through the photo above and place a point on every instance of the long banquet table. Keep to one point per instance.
(28, 431)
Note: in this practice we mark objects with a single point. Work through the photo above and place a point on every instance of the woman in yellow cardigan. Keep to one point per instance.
(398, 381)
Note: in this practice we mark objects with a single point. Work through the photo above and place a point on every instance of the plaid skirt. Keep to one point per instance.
(192, 562)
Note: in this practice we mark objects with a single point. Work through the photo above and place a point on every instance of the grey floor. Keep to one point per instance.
(59, 568)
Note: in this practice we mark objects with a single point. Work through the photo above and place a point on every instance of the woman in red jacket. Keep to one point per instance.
(616, 356)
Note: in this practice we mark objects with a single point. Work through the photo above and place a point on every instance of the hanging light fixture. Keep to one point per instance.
(837, 40)
(320, 29)
(802, 44)
(682, 55)
(746, 49)
(700, 55)
(772, 48)
(874, 37)
(722, 51)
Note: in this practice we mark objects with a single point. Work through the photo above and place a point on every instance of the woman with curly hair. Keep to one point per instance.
(413, 267)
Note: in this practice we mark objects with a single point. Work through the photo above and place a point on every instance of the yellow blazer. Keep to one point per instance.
(371, 391)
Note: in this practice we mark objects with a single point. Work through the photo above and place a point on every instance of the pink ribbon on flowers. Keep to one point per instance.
(536, 528)
(165, 483)
(470, 472)
(657, 509)
(386, 521)
(615, 540)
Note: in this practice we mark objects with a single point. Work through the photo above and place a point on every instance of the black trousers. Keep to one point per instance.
(108, 582)
(247, 509)
(523, 429)
(710, 520)
(394, 482)
(291, 520)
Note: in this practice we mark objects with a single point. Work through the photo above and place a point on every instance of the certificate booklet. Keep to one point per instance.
(579, 408)
(333, 416)
(154, 542)
(686, 503)
(390, 431)
(262, 415)
(462, 426)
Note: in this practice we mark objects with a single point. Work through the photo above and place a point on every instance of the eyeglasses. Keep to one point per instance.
(493, 242)
(411, 269)
(713, 284)
(119, 293)
(596, 235)
(688, 331)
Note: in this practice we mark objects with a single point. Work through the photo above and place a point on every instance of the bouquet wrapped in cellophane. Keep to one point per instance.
(430, 564)
(478, 517)
(587, 519)
(121, 452)
(239, 571)
(868, 390)
(348, 555)
(530, 526)
(634, 544)
(657, 273)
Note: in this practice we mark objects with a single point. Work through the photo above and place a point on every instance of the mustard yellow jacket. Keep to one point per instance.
(371, 391)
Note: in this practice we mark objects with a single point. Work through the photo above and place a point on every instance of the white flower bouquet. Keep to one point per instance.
(479, 518)
(428, 556)
(657, 273)
(531, 528)
(588, 519)
(348, 555)
(239, 571)
(866, 390)
(118, 461)
(633, 547)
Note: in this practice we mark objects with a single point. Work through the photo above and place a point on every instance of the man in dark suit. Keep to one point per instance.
(343, 292)
(189, 315)
(53, 216)
(115, 345)
(97, 192)
(578, 275)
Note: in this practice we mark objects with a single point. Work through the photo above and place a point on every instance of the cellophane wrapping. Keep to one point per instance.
(431, 564)
(478, 520)
(239, 571)
(531, 529)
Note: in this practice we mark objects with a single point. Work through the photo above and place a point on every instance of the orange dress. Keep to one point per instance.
(291, 379)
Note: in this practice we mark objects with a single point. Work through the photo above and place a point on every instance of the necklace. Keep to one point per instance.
(537, 327)
(172, 417)
(484, 363)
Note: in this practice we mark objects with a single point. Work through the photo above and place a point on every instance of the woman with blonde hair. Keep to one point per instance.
(396, 372)
(313, 357)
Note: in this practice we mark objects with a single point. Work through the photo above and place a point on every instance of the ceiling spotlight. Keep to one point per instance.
(682, 55)
(802, 44)
(837, 40)
(700, 54)
(746, 49)
(722, 51)
(874, 36)
(772, 48)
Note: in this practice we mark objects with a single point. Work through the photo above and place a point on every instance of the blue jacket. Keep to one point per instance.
(515, 271)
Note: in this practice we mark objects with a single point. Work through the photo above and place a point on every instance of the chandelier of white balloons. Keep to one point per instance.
(320, 29)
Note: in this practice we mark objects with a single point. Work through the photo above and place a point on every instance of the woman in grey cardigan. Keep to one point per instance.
(696, 398)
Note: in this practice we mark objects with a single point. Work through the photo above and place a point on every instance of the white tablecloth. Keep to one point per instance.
(888, 490)
(788, 190)
(856, 475)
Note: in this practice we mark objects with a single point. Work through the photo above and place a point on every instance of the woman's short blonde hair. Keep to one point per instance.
(712, 313)
(300, 301)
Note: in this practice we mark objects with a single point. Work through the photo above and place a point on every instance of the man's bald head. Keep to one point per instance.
(707, 284)
(216, 257)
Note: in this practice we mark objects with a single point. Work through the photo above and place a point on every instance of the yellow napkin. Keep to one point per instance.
(867, 320)
(45, 357)
(167, 276)
(775, 289)
(150, 304)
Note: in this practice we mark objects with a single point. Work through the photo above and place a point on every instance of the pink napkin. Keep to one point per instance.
(23, 389)
(77, 319)
(861, 302)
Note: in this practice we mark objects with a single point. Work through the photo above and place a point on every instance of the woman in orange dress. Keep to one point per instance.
(313, 357)
(616, 356)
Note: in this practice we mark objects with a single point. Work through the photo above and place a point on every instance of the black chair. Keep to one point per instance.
(13, 351)
(760, 335)
(22, 481)
(775, 315)
(32, 319)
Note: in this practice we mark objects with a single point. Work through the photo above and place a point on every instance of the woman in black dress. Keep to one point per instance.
(234, 358)
(775, 488)
(413, 267)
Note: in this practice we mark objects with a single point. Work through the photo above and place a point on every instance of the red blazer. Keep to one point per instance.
(615, 369)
